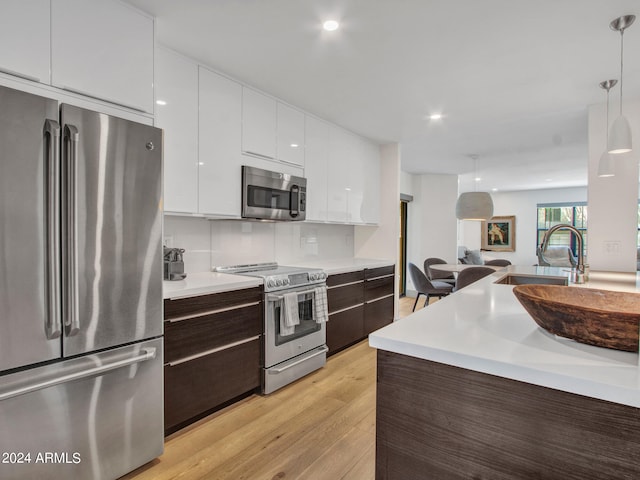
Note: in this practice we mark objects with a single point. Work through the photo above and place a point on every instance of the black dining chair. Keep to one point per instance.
(470, 275)
(433, 274)
(498, 262)
(426, 287)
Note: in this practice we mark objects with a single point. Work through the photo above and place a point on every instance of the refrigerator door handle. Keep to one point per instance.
(72, 321)
(148, 353)
(53, 324)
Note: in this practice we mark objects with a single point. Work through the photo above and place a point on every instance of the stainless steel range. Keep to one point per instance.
(295, 312)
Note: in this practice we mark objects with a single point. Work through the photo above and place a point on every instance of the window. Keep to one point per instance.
(573, 214)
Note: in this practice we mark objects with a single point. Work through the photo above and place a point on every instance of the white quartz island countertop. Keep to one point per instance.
(484, 328)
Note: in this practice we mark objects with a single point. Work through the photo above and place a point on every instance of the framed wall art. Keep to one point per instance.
(499, 234)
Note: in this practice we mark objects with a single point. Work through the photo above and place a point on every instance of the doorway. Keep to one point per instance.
(404, 212)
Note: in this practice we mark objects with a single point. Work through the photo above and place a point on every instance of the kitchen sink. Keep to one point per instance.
(517, 279)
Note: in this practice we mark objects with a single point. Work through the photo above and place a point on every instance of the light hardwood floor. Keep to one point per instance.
(320, 427)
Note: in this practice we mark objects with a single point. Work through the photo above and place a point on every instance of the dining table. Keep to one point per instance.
(458, 267)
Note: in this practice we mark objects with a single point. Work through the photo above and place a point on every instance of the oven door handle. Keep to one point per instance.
(319, 351)
(277, 298)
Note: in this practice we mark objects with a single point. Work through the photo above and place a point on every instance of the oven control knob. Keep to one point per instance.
(286, 281)
(271, 283)
(279, 282)
(323, 276)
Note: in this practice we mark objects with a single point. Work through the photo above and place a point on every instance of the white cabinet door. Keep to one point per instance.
(290, 133)
(372, 182)
(258, 124)
(104, 49)
(220, 158)
(316, 168)
(338, 184)
(177, 115)
(25, 39)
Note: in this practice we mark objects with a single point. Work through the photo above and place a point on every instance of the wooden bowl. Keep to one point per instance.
(596, 317)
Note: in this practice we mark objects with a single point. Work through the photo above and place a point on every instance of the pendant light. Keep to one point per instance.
(620, 136)
(474, 205)
(605, 167)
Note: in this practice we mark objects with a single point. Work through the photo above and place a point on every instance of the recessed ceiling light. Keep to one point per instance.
(330, 25)
(548, 179)
(494, 189)
(161, 102)
(294, 145)
(477, 179)
(435, 116)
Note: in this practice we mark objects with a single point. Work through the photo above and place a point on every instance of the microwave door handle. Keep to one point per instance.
(294, 200)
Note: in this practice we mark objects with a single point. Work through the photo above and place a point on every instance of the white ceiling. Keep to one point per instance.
(513, 78)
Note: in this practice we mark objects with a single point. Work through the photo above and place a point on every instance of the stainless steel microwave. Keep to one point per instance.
(272, 195)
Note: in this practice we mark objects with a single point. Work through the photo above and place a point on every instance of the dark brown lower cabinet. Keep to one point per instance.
(197, 386)
(212, 353)
(359, 303)
(435, 421)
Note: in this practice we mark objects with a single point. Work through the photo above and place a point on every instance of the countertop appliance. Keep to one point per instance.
(81, 359)
(271, 195)
(289, 355)
(173, 264)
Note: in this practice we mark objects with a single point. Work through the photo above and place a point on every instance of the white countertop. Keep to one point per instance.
(211, 282)
(207, 282)
(484, 328)
(343, 265)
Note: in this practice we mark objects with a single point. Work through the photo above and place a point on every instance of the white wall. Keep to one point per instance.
(613, 201)
(432, 224)
(523, 205)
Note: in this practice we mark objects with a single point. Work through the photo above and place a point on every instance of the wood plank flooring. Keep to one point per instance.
(320, 427)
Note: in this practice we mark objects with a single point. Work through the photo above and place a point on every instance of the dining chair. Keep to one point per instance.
(498, 262)
(470, 275)
(426, 287)
(433, 274)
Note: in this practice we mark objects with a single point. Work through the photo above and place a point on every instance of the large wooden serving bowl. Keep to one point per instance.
(597, 317)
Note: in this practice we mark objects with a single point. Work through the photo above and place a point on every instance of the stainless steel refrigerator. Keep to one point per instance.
(80, 291)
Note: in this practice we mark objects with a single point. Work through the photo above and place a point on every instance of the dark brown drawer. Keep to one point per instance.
(203, 303)
(194, 335)
(342, 278)
(343, 297)
(380, 287)
(379, 272)
(197, 386)
(378, 314)
(345, 328)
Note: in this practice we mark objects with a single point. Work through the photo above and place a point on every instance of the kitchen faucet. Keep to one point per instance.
(580, 271)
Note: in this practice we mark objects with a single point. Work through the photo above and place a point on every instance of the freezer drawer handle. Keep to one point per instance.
(319, 351)
(72, 320)
(53, 323)
(148, 353)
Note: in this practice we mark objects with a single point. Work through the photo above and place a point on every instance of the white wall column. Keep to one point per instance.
(613, 201)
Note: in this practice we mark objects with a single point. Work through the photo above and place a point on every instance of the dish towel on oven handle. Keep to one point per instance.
(289, 315)
(320, 310)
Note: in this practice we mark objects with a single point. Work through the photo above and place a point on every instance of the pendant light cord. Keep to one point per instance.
(621, 68)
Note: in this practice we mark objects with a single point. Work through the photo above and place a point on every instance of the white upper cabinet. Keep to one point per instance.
(177, 115)
(104, 49)
(370, 212)
(258, 124)
(290, 133)
(25, 39)
(220, 158)
(316, 168)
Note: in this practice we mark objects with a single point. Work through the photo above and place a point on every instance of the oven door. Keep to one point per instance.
(306, 336)
(273, 195)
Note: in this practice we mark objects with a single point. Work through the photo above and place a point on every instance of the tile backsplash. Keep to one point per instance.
(209, 243)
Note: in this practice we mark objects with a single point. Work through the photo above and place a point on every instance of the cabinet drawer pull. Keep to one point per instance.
(287, 162)
(212, 312)
(382, 276)
(212, 351)
(345, 309)
(379, 298)
(345, 284)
